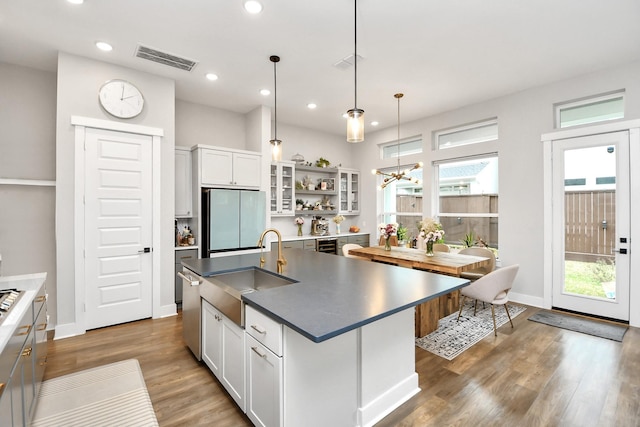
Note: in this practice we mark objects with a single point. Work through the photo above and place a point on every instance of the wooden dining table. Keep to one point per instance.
(452, 264)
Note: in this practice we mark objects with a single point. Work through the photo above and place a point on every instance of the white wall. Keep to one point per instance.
(78, 82)
(200, 124)
(523, 117)
(27, 151)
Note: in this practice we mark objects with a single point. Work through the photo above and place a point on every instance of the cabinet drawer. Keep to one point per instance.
(310, 244)
(293, 244)
(185, 254)
(264, 329)
(362, 240)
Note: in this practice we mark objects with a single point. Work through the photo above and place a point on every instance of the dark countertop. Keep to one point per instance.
(334, 294)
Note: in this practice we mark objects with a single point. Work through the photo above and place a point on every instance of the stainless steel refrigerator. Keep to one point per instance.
(231, 219)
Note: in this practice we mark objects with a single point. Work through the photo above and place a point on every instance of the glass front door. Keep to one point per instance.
(591, 225)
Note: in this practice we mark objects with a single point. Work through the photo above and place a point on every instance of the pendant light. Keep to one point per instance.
(398, 175)
(355, 116)
(276, 144)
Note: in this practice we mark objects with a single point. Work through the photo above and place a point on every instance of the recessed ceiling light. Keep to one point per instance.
(374, 123)
(265, 92)
(253, 6)
(104, 46)
(76, 1)
(211, 76)
(311, 106)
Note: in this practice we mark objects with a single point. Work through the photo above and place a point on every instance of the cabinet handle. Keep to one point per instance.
(2, 386)
(264, 356)
(28, 329)
(258, 329)
(191, 280)
(42, 326)
(26, 352)
(41, 298)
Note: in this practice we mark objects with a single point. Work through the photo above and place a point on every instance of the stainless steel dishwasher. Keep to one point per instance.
(191, 310)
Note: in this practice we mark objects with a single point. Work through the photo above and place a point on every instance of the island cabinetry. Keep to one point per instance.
(282, 192)
(349, 192)
(265, 402)
(223, 352)
(183, 191)
(227, 168)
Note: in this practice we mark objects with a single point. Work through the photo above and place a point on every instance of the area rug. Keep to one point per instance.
(453, 337)
(109, 395)
(579, 324)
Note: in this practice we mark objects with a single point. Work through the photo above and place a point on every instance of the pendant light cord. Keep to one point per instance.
(275, 59)
(355, 52)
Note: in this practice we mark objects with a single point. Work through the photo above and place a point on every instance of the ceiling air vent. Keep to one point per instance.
(346, 62)
(165, 58)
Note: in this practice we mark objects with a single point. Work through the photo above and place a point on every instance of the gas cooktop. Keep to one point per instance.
(8, 298)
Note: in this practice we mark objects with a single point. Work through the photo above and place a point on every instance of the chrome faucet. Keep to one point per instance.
(281, 262)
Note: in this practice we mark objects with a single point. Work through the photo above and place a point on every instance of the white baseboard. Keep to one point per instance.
(526, 299)
(67, 330)
(386, 403)
(166, 311)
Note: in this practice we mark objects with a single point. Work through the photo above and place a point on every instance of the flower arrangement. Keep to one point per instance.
(431, 230)
(299, 220)
(388, 230)
(338, 219)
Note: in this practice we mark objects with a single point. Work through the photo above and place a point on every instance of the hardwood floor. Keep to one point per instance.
(533, 375)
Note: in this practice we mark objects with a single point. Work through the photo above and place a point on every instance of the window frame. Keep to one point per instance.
(463, 128)
(585, 102)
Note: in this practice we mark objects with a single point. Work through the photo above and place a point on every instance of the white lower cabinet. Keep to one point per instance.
(223, 344)
(264, 385)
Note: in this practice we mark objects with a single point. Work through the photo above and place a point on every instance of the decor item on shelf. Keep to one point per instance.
(388, 230)
(276, 144)
(322, 163)
(298, 158)
(299, 221)
(355, 116)
(398, 175)
(299, 203)
(338, 219)
(431, 231)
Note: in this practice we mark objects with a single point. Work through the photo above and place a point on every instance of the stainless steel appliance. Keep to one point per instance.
(319, 226)
(231, 219)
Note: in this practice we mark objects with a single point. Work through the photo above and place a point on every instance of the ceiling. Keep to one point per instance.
(441, 54)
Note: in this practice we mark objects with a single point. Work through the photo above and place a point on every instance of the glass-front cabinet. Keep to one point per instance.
(348, 195)
(281, 188)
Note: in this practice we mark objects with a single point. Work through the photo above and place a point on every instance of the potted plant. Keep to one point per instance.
(469, 240)
(402, 235)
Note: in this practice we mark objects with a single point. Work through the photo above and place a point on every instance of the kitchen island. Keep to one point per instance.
(336, 347)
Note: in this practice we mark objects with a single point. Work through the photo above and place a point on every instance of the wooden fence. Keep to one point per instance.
(590, 225)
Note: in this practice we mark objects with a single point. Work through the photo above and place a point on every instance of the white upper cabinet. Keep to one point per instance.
(349, 192)
(282, 188)
(229, 168)
(183, 192)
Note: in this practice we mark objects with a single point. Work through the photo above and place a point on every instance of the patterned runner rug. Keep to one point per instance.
(109, 395)
(452, 337)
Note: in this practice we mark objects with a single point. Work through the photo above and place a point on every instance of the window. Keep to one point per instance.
(402, 202)
(404, 148)
(468, 199)
(592, 110)
(468, 134)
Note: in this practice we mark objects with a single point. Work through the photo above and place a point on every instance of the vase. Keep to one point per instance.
(299, 229)
(337, 228)
(429, 247)
(387, 244)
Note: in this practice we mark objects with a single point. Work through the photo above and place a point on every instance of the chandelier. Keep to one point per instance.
(398, 175)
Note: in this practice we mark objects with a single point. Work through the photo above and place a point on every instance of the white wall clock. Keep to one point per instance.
(121, 99)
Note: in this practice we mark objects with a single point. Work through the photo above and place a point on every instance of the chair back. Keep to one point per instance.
(483, 252)
(347, 247)
(493, 287)
(440, 247)
(393, 241)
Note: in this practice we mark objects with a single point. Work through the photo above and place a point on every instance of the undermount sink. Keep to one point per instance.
(224, 291)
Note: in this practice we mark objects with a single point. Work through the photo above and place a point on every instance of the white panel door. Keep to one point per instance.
(118, 227)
